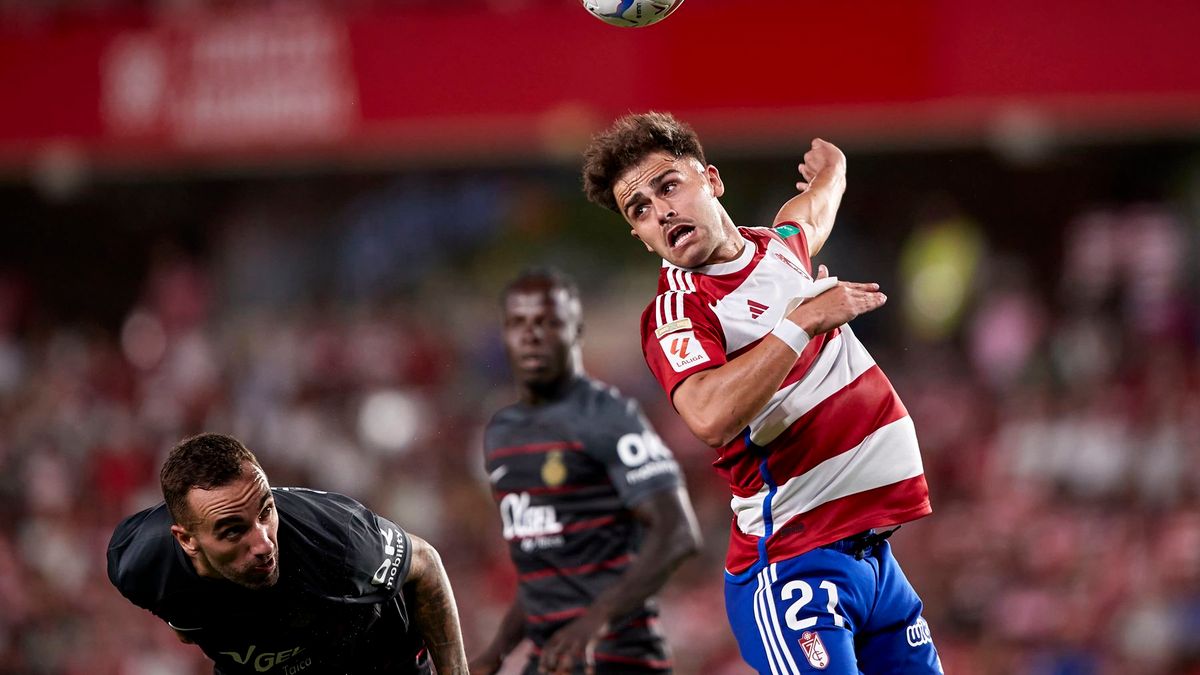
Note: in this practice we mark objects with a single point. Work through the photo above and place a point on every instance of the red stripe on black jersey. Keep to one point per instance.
(589, 524)
(555, 616)
(619, 561)
(535, 448)
(552, 490)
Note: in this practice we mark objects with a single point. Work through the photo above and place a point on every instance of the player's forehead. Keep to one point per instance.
(537, 298)
(241, 498)
(640, 176)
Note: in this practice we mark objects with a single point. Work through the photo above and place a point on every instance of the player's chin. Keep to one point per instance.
(684, 256)
(541, 375)
(257, 578)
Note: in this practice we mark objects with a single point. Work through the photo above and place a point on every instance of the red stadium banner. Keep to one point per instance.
(467, 82)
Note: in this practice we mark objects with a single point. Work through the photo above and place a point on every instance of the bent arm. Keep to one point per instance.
(671, 535)
(815, 208)
(435, 614)
(508, 636)
(718, 403)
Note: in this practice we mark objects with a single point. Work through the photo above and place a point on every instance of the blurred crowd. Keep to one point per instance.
(1059, 413)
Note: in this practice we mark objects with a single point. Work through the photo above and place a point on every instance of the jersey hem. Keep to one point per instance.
(748, 572)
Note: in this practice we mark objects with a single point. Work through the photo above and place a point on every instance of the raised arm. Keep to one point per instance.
(508, 636)
(815, 208)
(671, 536)
(718, 403)
(435, 614)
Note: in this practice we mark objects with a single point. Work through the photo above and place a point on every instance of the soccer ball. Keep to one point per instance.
(631, 13)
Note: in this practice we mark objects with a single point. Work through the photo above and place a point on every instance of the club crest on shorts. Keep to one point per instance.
(814, 650)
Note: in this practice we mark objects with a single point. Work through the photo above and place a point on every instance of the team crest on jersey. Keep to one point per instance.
(814, 650)
(554, 471)
(683, 350)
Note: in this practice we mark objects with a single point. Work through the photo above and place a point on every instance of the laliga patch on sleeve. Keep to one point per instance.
(683, 350)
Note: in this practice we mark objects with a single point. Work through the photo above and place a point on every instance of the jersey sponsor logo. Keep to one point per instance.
(814, 650)
(266, 661)
(918, 633)
(554, 471)
(683, 350)
(646, 455)
(756, 308)
(681, 324)
(523, 520)
(393, 552)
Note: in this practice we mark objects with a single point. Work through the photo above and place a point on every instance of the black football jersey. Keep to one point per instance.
(565, 475)
(338, 607)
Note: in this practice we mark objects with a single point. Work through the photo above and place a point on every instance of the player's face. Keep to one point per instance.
(541, 330)
(672, 204)
(234, 530)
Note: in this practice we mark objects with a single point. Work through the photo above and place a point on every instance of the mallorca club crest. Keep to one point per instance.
(554, 471)
(814, 650)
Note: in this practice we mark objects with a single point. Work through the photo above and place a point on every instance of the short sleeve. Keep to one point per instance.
(385, 558)
(637, 461)
(349, 552)
(793, 236)
(680, 337)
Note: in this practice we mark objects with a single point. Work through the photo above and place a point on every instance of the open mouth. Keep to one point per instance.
(680, 234)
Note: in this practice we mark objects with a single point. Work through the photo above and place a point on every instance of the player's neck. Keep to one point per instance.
(729, 251)
(547, 392)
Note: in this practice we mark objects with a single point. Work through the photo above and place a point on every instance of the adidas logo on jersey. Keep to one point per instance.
(756, 308)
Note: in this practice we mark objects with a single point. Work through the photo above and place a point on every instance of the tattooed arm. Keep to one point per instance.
(435, 614)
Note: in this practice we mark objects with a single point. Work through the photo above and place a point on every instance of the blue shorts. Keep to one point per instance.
(842, 608)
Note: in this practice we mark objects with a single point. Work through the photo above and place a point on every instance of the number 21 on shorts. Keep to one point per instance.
(805, 591)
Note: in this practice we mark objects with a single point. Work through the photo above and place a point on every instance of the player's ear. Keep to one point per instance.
(714, 180)
(634, 234)
(186, 539)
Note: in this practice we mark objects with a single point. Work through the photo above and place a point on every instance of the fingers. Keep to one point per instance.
(556, 660)
(822, 271)
(807, 168)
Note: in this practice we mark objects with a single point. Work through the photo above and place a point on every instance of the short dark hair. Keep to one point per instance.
(205, 461)
(536, 278)
(626, 143)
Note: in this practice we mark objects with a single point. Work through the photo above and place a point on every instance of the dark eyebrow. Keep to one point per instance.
(233, 520)
(654, 183)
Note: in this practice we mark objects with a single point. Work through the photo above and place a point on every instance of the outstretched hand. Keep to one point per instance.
(822, 156)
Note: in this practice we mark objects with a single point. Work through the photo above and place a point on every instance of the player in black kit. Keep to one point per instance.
(282, 580)
(593, 506)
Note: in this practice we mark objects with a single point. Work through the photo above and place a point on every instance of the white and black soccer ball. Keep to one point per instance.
(631, 13)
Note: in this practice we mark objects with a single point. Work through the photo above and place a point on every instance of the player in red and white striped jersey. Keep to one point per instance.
(755, 352)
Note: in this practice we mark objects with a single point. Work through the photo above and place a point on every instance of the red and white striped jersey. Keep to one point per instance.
(834, 451)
